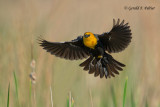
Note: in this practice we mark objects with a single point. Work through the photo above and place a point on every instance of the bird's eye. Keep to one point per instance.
(87, 35)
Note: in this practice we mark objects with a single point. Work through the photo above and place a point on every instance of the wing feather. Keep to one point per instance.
(118, 38)
(72, 50)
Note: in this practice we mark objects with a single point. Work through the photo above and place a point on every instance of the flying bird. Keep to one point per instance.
(96, 48)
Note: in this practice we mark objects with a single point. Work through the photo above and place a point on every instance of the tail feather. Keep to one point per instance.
(97, 72)
(86, 67)
(113, 69)
(110, 71)
(101, 72)
(92, 66)
(113, 65)
(86, 63)
(106, 66)
(116, 66)
(106, 72)
(118, 63)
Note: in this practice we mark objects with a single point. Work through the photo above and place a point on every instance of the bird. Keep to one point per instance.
(96, 48)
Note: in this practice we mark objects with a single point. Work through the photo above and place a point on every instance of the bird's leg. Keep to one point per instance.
(100, 56)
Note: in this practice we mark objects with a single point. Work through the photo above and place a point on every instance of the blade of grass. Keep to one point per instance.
(146, 105)
(30, 93)
(113, 97)
(124, 93)
(8, 95)
(132, 100)
(16, 84)
(68, 101)
(30, 89)
(72, 105)
(70, 97)
(51, 96)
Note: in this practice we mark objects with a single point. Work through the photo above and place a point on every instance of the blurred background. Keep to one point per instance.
(23, 21)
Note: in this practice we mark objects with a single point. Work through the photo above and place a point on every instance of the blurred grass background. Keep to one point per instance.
(22, 21)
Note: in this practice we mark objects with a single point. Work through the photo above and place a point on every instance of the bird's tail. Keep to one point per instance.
(106, 66)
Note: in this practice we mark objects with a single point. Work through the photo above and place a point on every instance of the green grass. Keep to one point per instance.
(125, 91)
(146, 104)
(132, 100)
(70, 101)
(16, 84)
(16, 88)
(67, 105)
(113, 96)
(8, 95)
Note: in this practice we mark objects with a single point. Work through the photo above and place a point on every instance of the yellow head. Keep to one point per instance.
(89, 40)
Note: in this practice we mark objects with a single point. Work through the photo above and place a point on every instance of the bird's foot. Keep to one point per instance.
(100, 56)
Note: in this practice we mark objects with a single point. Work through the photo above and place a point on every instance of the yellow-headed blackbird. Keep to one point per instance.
(94, 46)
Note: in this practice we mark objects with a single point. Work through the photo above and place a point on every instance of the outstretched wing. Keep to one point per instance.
(118, 38)
(72, 50)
